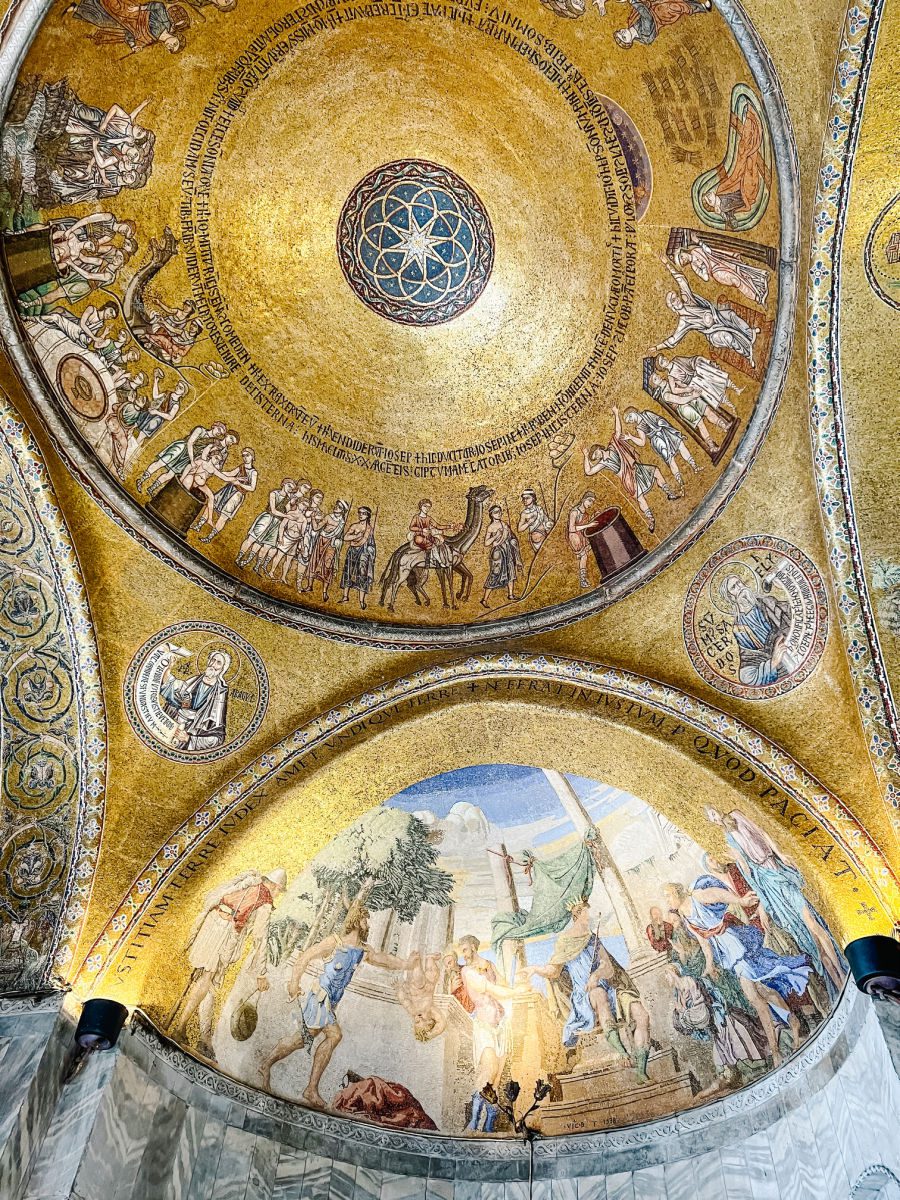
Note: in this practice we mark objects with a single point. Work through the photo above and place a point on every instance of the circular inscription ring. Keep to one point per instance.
(415, 243)
(756, 618)
(195, 692)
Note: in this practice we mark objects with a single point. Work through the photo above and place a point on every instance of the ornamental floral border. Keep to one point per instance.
(767, 757)
(38, 495)
(873, 693)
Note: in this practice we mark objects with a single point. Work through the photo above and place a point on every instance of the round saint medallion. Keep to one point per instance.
(415, 243)
(881, 255)
(756, 618)
(196, 691)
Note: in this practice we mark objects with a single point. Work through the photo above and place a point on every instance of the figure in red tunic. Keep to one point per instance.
(426, 534)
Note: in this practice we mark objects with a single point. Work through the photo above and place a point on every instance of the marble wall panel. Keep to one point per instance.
(206, 1164)
(761, 1168)
(133, 1128)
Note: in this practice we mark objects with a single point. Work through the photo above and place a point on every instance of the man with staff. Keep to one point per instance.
(597, 990)
(233, 914)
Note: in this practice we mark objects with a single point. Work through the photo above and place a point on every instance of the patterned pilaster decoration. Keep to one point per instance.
(53, 753)
(854, 607)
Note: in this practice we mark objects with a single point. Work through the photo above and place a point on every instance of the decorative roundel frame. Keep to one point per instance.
(761, 543)
(216, 631)
(353, 226)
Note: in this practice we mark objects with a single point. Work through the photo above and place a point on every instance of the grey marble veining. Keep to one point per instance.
(122, 1133)
(708, 1174)
(470, 1189)
(206, 1165)
(564, 1189)
(404, 1188)
(343, 1177)
(184, 1154)
(289, 1175)
(620, 1186)
(734, 1168)
(680, 1181)
(889, 1018)
(786, 1168)
(234, 1164)
(263, 1169)
(826, 1149)
(761, 1168)
(108, 1168)
(650, 1184)
(64, 1143)
(813, 1181)
(878, 1064)
(368, 1184)
(593, 1188)
(20, 1063)
(33, 1067)
(158, 1162)
(316, 1178)
(855, 1084)
(844, 1132)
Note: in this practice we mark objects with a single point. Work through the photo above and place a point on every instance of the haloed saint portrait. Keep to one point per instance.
(501, 938)
(196, 691)
(756, 618)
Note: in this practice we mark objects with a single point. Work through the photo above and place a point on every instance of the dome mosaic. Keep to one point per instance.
(411, 331)
(432, 326)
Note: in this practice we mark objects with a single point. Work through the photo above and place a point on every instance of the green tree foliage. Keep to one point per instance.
(388, 859)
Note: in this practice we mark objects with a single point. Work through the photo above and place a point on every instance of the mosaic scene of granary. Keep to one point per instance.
(444, 478)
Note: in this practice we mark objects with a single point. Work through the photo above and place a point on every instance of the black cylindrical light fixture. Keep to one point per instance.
(875, 963)
(100, 1024)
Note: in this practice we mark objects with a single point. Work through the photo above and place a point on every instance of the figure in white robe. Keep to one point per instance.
(199, 705)
(727, 268)
(234, 913)
(719, 324)
(664, 439)
(694, 389)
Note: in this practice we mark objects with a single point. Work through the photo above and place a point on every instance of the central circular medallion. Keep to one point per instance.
(415, 242)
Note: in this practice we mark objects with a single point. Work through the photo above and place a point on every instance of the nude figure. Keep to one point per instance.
(416, 993)
(208, 465)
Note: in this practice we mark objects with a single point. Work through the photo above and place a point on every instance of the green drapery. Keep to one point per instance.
(558, 882)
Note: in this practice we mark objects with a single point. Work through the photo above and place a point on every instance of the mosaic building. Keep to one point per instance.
(449, 600)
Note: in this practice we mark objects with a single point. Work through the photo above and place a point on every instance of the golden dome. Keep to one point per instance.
(367, 257)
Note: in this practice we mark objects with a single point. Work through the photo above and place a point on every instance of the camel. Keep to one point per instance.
(408, 563)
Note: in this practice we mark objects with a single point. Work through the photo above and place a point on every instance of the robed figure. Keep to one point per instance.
(199, 705)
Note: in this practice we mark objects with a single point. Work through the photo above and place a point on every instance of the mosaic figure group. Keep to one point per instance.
(752, 964)
(739, 968)
(294, 534)
(645, 19)
(56, 149)
(138, 25)
(692, 389)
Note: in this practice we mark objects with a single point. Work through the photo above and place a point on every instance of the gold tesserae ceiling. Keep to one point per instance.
(448, 577)
(413, 324)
